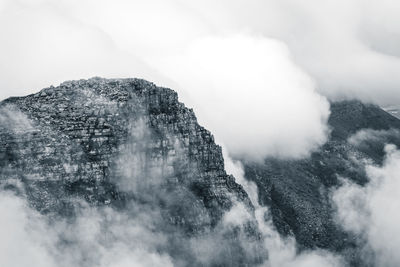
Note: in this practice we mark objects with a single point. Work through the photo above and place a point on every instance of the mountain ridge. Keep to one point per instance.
(122, 142)
(112, 142)
(299, 191)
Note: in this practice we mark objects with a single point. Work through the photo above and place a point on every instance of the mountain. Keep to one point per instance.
(298, 191)
(125, 143)
(131, 147)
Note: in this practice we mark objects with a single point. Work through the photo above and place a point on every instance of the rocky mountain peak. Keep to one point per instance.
(117, 143)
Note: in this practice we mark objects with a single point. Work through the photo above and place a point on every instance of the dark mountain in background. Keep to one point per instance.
(298, 191)
(131, 146)
(393, 110)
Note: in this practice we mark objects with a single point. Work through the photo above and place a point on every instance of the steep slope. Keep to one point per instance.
(348, 117)
(122, 143)
(393, 110)
(298, 191)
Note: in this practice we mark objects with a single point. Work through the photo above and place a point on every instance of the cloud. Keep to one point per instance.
(95, 238)
(141, 233)
(102, 236)
(337, 43)
(12, 119)
(249, 93)
(366, 136)
(351, 48)
(18, 246)
(281, 251)
(253, 70)
(371, 211)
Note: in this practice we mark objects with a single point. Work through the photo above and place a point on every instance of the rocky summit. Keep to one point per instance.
(122, 143)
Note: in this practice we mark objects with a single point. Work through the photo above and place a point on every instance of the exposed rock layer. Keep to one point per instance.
(114, 142)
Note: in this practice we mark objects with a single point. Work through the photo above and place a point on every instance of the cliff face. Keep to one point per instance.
(119, 143)
(299, 191)
(131, 147)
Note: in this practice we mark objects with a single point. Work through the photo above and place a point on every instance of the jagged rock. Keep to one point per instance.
(111, 142)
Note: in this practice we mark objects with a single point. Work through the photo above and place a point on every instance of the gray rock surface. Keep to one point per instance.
(123, 142)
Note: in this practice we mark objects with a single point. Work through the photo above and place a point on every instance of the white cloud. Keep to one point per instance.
(250, 94)
(282, 252)
(372, 211)
(95, 238)
(350, 47)
(18, 247)
(369, 136)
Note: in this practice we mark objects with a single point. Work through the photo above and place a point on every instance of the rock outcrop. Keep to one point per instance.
(117, 142)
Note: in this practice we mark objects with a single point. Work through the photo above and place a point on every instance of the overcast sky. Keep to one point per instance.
(264, 68)
(258, 73)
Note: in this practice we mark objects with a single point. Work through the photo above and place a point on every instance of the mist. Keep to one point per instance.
(259, 75)
(95, 238)
(281, 251)
(370, 212)
(250, 94)
(143, 232)
(137, 236)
